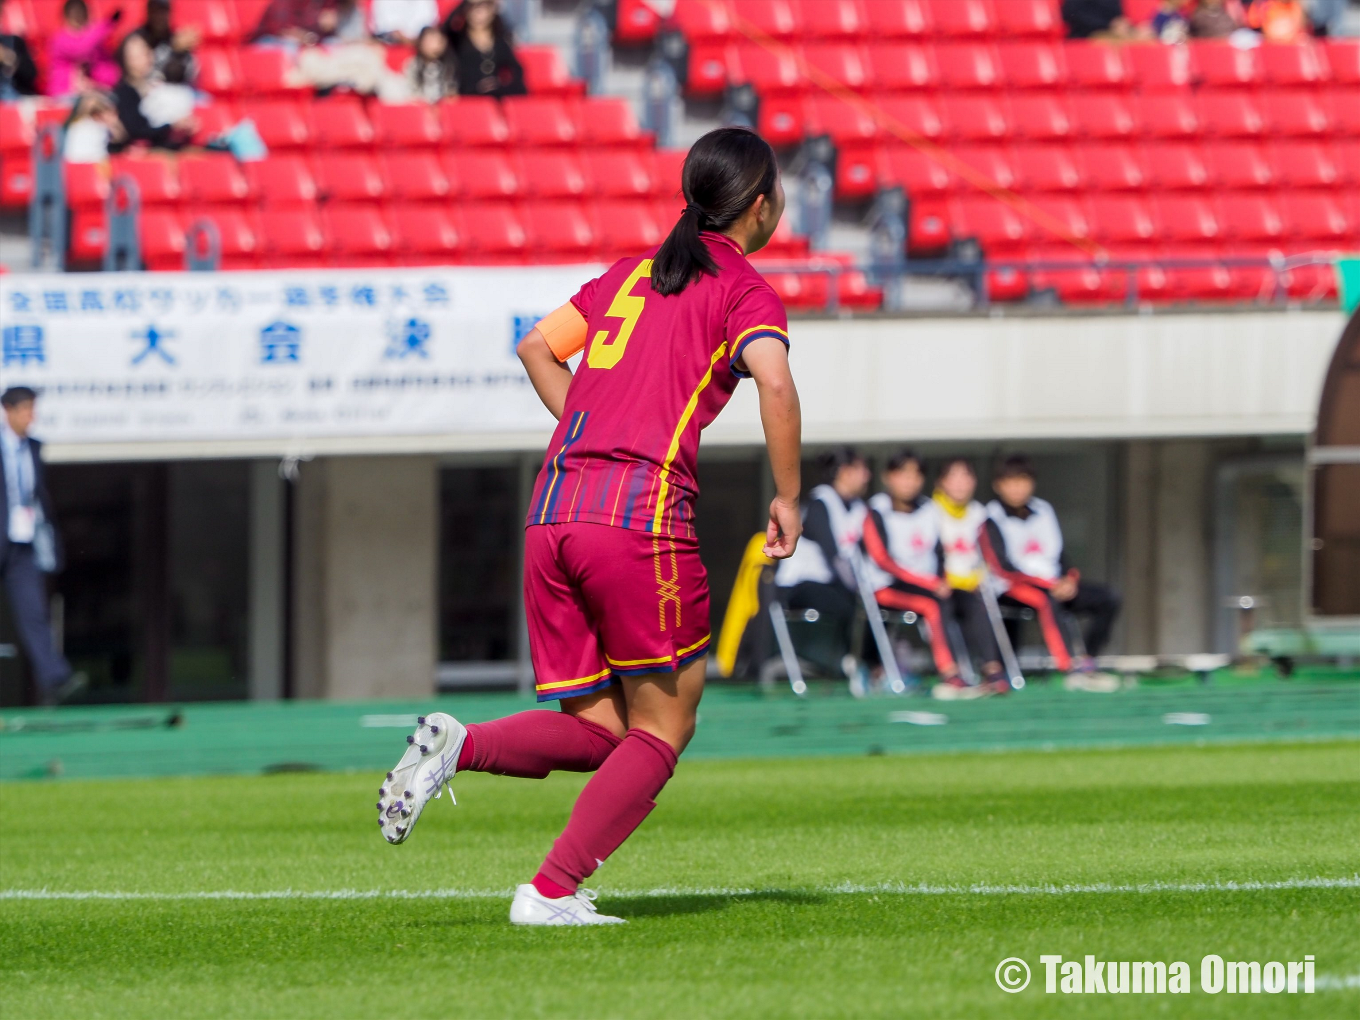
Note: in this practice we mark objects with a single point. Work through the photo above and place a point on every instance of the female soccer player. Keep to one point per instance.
(616, 595)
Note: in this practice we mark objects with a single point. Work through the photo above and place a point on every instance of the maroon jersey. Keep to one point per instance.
(656, 371)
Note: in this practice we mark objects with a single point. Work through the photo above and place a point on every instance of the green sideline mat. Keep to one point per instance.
(734, 722)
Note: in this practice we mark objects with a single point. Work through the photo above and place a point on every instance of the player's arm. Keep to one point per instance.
(767, 359)
(545, 351)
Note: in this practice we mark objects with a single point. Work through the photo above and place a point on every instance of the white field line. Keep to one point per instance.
(844, 889)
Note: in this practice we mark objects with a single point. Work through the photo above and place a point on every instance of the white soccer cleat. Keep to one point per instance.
(532, 907)
(428, 764)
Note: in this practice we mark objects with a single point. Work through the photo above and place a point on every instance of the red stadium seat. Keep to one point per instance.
(416, 177)
(1032, 65)
(283, 181)
(845, 121)
(16, 180)
(218, 71)
(1006, 283)
(1042, 117)
(703, 21)
(157, 178)
(1103, 115)
(621, 174)
(801, 291)
(350, 177)
(1345, 110)
(781, 19)
(16, 130)
(669, 165)
(473, 121)
(1239, 165)
(1251, 217)
(406, 125)
(1348, 161)
(628, 227)
(240, 245)
(835, 19)
(1316, 216)
(917, 173)
(1167, 116)
(854, 291)
(495, 231)
(785, 243)
(1303, 64)
(1296, 113)
(1305, 165)
(18, 18)
(928, 230)
(89, 236)
(87, 185)
(1210, 282)
(969, 66)
(976, 118)
(1343, 57)
(709, 67)
(1060, 213)
(1231, 115)
(636, 22)
(483, 175)
(1122, 219)
(1074, 276)
(1016, 19)
(992, 162)
(264, 70)
(1221, 65)
(1178, 166)
(559, 229)
(916, 116)
(611, 121)
(1114, 168)
(1048, 168)
(781, 119)
(214, 120)
(857, 173)
(340, 122)
(844, 63)
(540, 120)
(995, 225)
(428, 234)
(162, 238)
(1161, 68)
(216, 179)
(553, 174)
(898, 19)
(360, 235)
(282, 123)
(216, 20)
(966, 18)
(768, 70)
(1188, 219)
(903, 66)
(546, 73)
(1092, 66)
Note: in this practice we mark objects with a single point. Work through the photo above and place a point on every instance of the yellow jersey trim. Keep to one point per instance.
(679, 431)
(737, 342)
(573, 683)
(685, 651)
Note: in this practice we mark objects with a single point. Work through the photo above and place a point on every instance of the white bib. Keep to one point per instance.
(1033, 545)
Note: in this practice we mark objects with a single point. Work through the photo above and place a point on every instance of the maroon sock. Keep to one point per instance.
(614, 803)
(532, 744)
(547, 887)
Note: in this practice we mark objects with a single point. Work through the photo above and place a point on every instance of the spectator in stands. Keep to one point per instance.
(819, 575)
(961, 521)
(902, 538)
(430, 73)
(91, 128)
(350, 26)
(1023, 544)
(1169, 24)
(1216, 19)
(132, 92)
(400, 22)
(80, 49)
(1100, 19)
(172, 50)
(483, 50)
(296, 23)
(18, 73)
(1278, 21)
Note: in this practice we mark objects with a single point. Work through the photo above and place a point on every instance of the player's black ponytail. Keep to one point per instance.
(724, 173)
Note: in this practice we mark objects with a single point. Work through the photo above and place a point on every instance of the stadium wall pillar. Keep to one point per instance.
(266, 603)
(364, 571)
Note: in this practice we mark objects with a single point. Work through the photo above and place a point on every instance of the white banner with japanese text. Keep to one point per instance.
(291, 355)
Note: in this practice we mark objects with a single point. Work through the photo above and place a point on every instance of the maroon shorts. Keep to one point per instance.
(606, 602)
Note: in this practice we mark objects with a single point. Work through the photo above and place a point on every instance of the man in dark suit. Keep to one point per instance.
(28, 544)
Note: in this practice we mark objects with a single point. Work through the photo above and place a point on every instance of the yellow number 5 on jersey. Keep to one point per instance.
(626, 306)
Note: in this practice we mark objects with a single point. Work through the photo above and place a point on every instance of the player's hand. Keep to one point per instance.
(1064, 589)
(942, 590)
(781, 534)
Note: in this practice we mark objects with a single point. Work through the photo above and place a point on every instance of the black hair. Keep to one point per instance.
(455, 24)
(72, 7)
(16, 395)
(725, 171)
(836, 458)
(958, 460)
(903, 457)
(1016, 465)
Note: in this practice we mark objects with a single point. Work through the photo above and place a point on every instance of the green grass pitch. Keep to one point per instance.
(777, 888)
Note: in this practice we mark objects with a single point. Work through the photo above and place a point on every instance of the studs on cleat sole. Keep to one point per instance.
(424, 749)
(434, 730)
(389, 777)
(410, 739)
(408, 793)
(420, 719)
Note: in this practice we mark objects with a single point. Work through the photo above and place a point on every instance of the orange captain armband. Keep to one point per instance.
(565, 331)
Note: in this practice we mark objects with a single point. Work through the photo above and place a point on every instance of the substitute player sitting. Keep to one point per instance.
(902, 538)
(1023, 544)
(615, 592)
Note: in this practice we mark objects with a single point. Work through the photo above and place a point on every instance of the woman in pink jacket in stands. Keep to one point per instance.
(80, 45)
